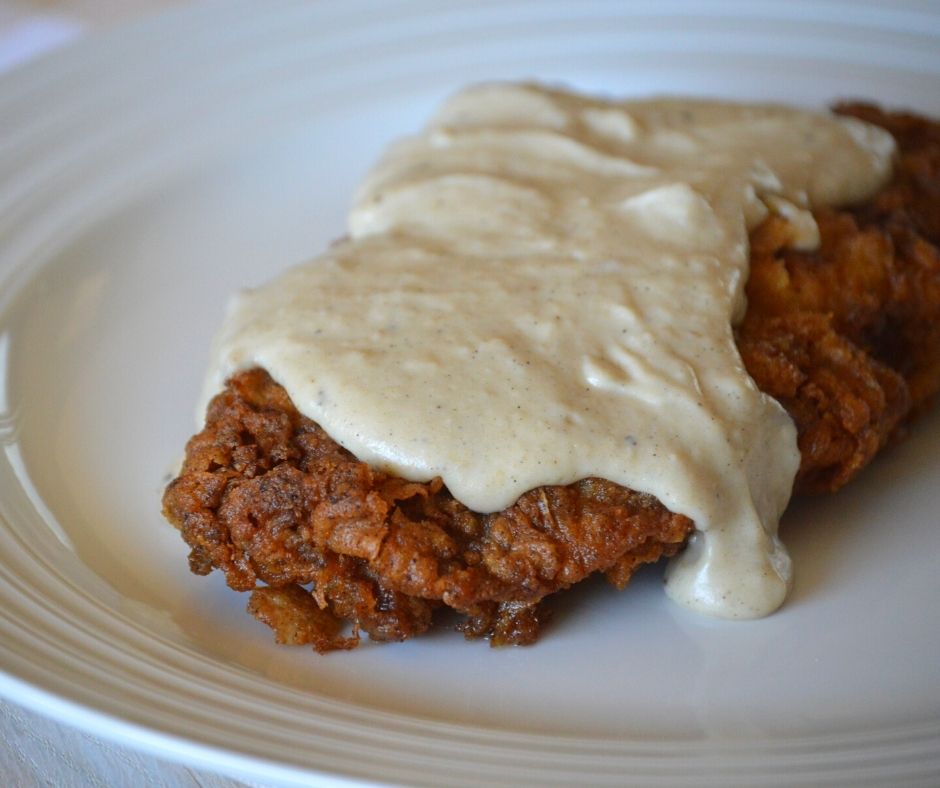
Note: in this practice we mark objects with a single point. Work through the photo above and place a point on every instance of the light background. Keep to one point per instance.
(35, 751)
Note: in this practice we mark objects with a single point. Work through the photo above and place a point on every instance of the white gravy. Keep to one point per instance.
(541, 287)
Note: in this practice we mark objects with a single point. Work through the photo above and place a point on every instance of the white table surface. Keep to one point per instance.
(34, 750)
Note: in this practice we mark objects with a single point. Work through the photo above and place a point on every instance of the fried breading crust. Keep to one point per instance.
(846, 337)
(265, 495)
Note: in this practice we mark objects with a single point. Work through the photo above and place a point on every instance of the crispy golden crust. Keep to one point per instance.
(847, 338)
(266, 496)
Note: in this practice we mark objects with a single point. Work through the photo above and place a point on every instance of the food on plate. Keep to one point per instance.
(533, 360)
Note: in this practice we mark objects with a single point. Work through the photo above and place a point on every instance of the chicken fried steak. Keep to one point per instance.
(266, 495)
(845, 337)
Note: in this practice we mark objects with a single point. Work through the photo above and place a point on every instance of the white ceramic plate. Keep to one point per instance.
(148, 174)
